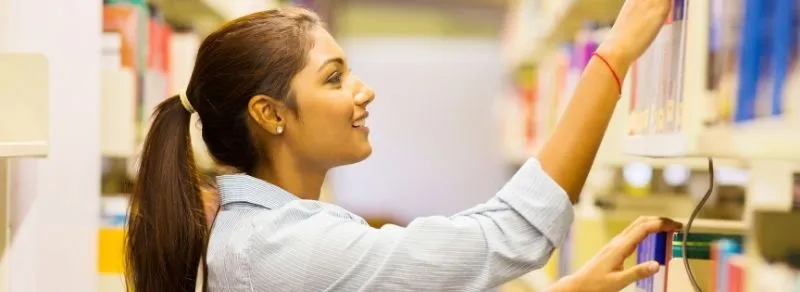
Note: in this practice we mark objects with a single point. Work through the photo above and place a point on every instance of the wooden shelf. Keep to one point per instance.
(24, 149)
(24, 105)
(766, 139)
(716, 226)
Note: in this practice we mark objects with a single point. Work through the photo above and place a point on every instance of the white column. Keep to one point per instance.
(54, 201)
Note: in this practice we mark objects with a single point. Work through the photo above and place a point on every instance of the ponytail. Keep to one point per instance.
(167, 230)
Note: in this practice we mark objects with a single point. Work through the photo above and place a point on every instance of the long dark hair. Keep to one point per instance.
(167, 231)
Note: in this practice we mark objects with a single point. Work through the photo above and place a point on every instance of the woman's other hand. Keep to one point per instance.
(636, 26)
(605, 272)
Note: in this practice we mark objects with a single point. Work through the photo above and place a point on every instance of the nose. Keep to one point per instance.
(364, 97)
(364, 94)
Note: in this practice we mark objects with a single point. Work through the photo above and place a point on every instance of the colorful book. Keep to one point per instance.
(736, 274)
(721, 253)
(726, 17)
(657, 78)
(655, 247)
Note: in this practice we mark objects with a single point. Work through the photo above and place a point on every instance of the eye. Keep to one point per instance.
(335, 78)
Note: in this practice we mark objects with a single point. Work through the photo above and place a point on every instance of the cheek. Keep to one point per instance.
(328, 112)
(326, 120)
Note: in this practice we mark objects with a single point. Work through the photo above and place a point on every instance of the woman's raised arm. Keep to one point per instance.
(568, 156)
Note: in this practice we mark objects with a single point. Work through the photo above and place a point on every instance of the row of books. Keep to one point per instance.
(656, 78)
(715, 261)
(752, 72)
(136, 37)
(540, 93)
(753, 53)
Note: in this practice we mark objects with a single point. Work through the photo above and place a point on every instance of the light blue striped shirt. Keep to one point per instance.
(266, 239)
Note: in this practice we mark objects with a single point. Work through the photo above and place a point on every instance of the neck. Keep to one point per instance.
(290, 174)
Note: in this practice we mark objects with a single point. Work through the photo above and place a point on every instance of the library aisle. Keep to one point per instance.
(721, 81)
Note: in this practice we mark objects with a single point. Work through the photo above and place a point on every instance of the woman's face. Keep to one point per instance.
(330, 127)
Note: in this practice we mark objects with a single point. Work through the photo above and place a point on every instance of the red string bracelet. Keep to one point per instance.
(616, 77)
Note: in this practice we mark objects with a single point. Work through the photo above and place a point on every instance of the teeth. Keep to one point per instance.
(359, 123)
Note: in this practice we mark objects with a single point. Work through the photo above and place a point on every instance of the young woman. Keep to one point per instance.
(279, 104)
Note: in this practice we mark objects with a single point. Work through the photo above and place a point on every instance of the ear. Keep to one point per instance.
(268, 113)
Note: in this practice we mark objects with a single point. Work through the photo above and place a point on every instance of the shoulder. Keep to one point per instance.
(260, 230)
(301, 212)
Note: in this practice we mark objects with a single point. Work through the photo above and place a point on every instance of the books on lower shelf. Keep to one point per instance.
(711, 258)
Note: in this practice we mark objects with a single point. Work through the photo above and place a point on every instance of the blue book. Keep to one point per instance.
(655, 247)
(749, 62)
(784, 44)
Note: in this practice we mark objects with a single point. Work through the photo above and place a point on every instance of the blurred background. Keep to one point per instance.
(467, 90)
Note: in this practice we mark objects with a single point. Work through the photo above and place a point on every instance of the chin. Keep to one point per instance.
(364, 153)
(361, 154)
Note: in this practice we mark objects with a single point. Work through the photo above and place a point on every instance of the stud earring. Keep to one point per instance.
(280, 129)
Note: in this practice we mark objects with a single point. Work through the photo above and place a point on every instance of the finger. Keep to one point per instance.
(638, 232)
(635, 273)
(638, 221)
(644, 219)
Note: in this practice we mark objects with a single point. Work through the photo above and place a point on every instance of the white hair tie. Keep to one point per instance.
(186, 104)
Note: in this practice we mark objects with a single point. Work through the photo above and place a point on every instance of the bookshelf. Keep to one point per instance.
(775, 135)
(24, 129)
(694, 111)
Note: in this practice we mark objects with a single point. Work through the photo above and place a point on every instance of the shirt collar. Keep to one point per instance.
(242, 188)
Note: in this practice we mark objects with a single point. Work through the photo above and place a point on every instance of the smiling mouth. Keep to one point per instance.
(361, 122)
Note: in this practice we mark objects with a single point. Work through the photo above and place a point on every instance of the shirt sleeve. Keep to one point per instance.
(513, 233)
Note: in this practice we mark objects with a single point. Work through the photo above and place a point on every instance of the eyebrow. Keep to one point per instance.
(332, 60)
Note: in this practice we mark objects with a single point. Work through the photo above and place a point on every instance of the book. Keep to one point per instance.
(726, 17)
(752, 60)
(655, 247)
(700, 249)
(657, 78)
(721, 253)
(736, 274)
(784, 48)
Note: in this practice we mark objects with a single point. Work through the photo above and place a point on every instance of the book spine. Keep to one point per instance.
(675, 103)
(749, 62)
(656, 247)
(782, 45)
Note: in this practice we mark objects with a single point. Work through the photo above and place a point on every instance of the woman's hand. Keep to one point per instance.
(605, 271)
(636, 26)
